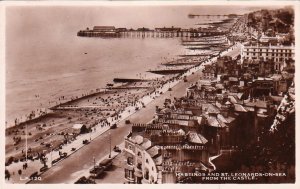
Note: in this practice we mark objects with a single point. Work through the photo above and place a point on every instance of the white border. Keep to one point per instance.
(296, 5)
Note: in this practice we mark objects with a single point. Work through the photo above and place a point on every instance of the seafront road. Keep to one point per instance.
(72, 167)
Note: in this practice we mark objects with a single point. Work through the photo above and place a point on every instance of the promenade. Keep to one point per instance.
(67, 171)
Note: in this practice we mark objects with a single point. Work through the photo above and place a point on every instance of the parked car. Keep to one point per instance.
(96, 172)
(96, 169)
(43, 169)
(113, 126)
(84, 180)
(117, 149)
(9, 161)
(56, 160)
(22, 159)
(63, 155)
(34, 175)
(106, 164)
(36, 157)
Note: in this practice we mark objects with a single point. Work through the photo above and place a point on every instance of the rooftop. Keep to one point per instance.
(196, 138)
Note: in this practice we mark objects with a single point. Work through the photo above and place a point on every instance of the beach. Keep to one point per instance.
(71, 75)
(25, 87)
(51, 61)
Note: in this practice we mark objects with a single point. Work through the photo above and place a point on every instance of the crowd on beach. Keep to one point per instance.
(47, 131)
(55, 129)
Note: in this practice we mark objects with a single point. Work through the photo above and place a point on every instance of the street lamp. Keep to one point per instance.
(91, 134)
(51, 152)
(26, 145)
(94, 159)
(94, 168)
(109, 145)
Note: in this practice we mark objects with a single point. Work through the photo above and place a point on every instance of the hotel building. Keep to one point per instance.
(278, 54)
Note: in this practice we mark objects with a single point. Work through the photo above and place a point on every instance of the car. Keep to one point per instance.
(113, 126)
(10, 161)
(34, 175)
(96, 169)
(63, 155)
(106, 164)
(96, 172)
(56, 160)
(22, 159)
(84, 180)
(43, 169)
(117, 149)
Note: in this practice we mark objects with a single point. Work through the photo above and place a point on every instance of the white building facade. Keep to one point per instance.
(278, 54)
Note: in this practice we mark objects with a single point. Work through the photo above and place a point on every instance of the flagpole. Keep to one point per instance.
(26, 143)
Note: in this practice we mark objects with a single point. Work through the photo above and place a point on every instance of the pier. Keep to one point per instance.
(165, 32)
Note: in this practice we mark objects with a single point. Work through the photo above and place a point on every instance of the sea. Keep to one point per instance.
(46, 60)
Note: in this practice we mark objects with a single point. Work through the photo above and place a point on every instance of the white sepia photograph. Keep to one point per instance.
(155, 93)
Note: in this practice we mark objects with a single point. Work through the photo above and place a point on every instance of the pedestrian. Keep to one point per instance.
(7, 174)
(19, 171)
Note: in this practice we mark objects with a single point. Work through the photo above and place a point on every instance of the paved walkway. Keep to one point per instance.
(129, 111)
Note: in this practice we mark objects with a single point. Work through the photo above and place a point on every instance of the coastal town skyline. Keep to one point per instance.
(119, 16)
(184, 94)
(57, 23)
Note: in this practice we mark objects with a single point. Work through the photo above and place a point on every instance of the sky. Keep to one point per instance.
(125, 16)
(27, 25)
